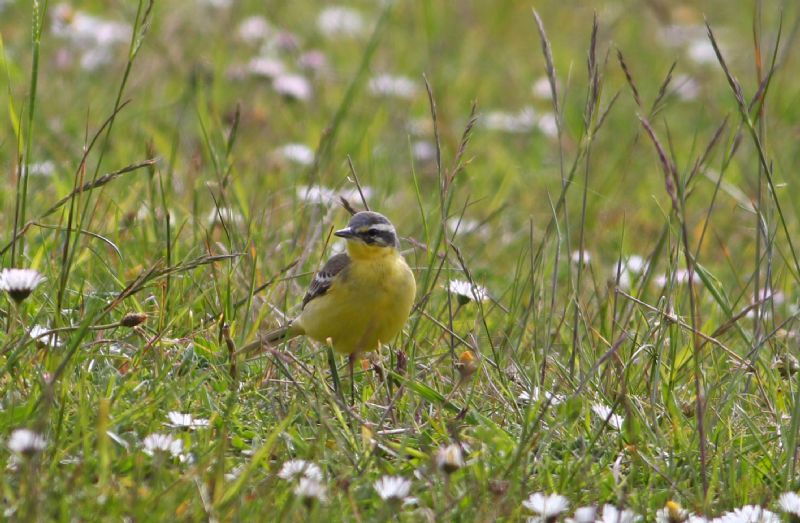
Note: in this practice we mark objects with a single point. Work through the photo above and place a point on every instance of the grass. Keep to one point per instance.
(154, 187)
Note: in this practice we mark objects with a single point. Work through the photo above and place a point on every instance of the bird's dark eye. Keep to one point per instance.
(372, 232)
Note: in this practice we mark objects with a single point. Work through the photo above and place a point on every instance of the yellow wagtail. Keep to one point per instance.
(359, 299)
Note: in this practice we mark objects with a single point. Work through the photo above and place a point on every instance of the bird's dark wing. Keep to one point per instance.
(323, 279)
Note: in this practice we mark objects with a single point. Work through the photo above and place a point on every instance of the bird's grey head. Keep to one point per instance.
(371, 228)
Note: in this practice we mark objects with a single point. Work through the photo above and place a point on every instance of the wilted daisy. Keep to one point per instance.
(296, 152)
(547, 507)
(20, 283)
(466, 291)
(292, 86)
(392, 85)
(254, 29)
(450, 458)
(298, 469)
(789, 503)
(604, 411)
(749, 514)
(26, 442)
(162, 443)
(310, 490)
(335, 21)
(180, 420)
(672, 513)
(393, 488)
(612, 514)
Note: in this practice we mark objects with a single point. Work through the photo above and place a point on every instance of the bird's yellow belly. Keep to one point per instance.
(367, 307)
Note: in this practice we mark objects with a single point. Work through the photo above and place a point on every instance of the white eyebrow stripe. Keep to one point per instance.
(381, 227)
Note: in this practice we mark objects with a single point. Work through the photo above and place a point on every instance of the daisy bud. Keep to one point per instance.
(132, 319)
(450, 458)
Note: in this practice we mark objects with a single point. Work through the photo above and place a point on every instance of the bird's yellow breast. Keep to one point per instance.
(367, 304)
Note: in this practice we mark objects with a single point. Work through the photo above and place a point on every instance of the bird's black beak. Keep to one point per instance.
(347, 232)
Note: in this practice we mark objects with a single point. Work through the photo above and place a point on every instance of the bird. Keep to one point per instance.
(360, 298)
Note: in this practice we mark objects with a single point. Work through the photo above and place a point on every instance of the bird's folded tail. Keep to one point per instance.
(270, 338)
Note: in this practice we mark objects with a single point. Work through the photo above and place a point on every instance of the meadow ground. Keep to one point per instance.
(607, 284)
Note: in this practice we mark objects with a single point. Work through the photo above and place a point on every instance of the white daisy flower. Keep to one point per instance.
(296, 152)
(461, 225)
(254, 29)
(392, 85)
(392, 488)
(635, 264)
(583, 515)
(450, 458)
(179, 420)
(604, 412)
(44, 169)
(686, 87)
(217, 4)
(42, 335)
(293, 86)
(20, 283)
(87, 30)
(313, 60)
(681, 277)
(423, 151)
(266, 67)
(534, 395)
(548, 125)
(547, 507)
(576, 257)
(335, 21)
(224, 214)
(26, 442)
(310, 489)
(749, 514)
(612, 514)
(789, 503)
(300, 468)
(162, 443)
(541, 89)
(325, 196)
(701, 52)
(466, 292)
(522, 122)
